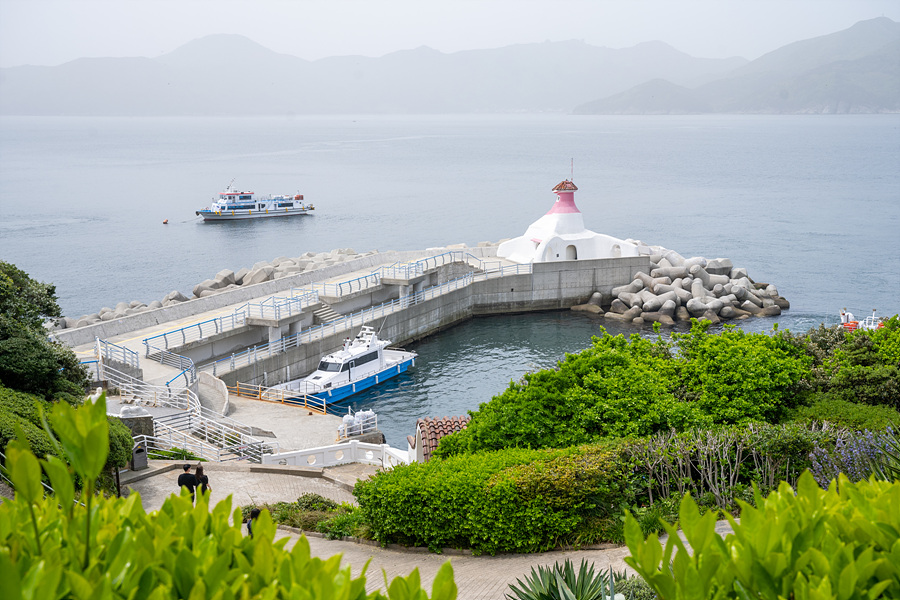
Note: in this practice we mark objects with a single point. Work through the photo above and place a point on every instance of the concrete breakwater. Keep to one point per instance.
(222, 281)
(679, 289)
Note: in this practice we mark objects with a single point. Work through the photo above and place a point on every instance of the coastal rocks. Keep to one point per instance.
(679, 289)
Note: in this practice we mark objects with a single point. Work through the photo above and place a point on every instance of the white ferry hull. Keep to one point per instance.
(235, 215)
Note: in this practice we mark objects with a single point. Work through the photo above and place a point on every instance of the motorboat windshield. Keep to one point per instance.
(329, 367)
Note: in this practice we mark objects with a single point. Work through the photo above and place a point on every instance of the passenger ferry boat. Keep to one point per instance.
(363, 362)
(233, 204)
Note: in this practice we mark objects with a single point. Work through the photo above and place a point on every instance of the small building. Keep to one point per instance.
(429, 432)
(561, 235)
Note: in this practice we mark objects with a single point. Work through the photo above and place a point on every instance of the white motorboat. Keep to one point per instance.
(361, 363)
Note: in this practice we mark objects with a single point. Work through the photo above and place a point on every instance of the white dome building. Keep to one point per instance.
(561, 235)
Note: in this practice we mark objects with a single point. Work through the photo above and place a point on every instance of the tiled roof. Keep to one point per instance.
(565, 186)
(434, 429)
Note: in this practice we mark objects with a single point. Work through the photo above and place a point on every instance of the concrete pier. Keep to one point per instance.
(421, 301)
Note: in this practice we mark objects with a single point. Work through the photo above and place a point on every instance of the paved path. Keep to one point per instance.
(478, 577)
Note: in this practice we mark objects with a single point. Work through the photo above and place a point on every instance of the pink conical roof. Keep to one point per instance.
(565, 198)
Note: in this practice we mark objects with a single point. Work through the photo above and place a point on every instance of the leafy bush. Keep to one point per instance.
(176, 454)
(634, 387)
(513, 500)
(55, 548)
(851, 415)
(316, 502)
(812, 543)
(347, 522)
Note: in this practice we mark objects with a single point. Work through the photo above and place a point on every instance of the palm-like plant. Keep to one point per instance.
(562, 582)
(887, 466)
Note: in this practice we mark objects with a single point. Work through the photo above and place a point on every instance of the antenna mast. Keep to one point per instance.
(572, 177)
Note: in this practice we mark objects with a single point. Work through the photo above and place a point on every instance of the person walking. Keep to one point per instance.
(188, 480)
(202, 480)
(253, 515)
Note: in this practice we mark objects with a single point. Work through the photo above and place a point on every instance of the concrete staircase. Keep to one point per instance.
(326, 314)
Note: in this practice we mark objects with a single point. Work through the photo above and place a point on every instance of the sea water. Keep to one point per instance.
(808, 203)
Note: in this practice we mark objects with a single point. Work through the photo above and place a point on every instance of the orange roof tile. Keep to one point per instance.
(433, 429)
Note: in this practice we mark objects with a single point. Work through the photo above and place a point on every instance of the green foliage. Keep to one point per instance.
(634, 387)
(54, 547)
(347, 522)
(24, 300)
(739, 377)
(29, 362)
(563, 582)
(847, 414)
(813, 543)
(635, 588)
(175, 454)
(513, 500)
(316, 502)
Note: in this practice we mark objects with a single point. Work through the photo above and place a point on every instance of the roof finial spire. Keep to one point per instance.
(572, 177)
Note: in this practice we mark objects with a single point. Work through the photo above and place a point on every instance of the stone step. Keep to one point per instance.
(326, 314)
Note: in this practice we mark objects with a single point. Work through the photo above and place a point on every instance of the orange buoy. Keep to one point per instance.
(165, 221)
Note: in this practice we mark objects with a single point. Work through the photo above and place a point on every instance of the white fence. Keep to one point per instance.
(381, 455)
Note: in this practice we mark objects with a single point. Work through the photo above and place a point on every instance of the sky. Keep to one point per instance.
(52, 32)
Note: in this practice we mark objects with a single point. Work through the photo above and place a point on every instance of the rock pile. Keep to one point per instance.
(223, 280)
(678, 289)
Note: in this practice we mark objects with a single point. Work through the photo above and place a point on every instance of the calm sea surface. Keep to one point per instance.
(809, 203)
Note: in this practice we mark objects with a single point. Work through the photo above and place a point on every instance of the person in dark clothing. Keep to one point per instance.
(188, 480)
(202, 480)
(253, 515)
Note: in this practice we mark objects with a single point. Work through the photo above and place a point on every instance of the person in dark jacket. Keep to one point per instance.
(188, 480)
(253, 515)
(202, 480)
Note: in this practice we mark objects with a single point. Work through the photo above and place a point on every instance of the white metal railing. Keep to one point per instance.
(345, 323)
(381, 455)
(197, 331)
(278, 307)
(93, 368)
(336, 290)
(212, 423)
(108, 351)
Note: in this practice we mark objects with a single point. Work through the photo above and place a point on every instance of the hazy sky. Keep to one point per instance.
(51, 32)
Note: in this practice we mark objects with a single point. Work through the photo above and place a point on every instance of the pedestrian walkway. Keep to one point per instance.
(477, 577)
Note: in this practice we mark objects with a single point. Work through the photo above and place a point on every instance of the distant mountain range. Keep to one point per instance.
(856, 70)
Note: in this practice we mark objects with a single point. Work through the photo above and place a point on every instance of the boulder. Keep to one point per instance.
(698, 292)
(770, 311)
(224, 278)
(671, 272)
(664, 264)
(728, 312)
(239, 276)
(711, 317)
(596, 299)
(782, 303)
(675, 259)
(738, 272)
(136, 304)
(657, 281)
(633, 287)
(108, 316)
(719, 266)
(751, 308)
(175, 296)
(260, 275)
(644, 278)
(632, 300)
(668, 308)
(588, 308)
(658, 318)
(121, 307)
(618, 307)
(696, 307)
(682, 314)
(695, 260)
(655, 304)
(208, 292)
(209, 284)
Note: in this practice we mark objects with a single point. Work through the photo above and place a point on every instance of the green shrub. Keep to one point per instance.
(347, 522)
(175, 454)
(809, 543)
(316, 502)
(851, 415)
(53, 548)
(635, 588)
(506, 501)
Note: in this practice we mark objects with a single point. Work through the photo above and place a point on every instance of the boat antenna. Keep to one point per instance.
(572, 176)
(382, 325)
